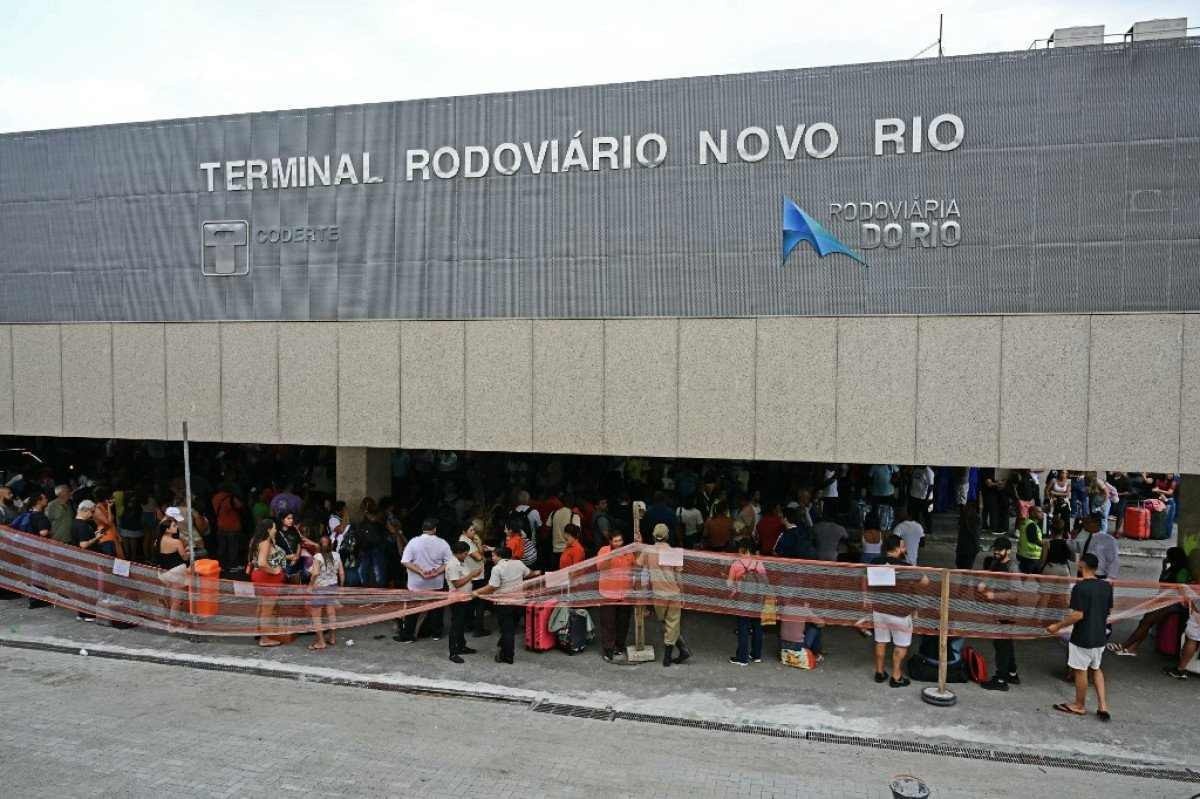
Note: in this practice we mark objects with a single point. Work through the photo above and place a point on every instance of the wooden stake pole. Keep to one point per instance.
(943, 630)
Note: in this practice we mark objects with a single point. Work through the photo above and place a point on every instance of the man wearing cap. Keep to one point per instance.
(1000, 561)
(664, 581)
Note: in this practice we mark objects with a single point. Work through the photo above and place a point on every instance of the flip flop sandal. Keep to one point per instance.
(1063, 707)
(315, 648)
(1104, 715)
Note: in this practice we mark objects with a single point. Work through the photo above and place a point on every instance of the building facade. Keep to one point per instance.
(980, 260)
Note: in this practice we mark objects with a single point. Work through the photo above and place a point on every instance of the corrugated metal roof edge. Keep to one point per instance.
(1065, 52)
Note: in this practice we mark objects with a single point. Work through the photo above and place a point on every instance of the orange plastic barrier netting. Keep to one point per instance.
(85, 582)
(981, 604)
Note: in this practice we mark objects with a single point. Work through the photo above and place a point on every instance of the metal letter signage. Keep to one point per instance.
(963, 187)
(225, 247)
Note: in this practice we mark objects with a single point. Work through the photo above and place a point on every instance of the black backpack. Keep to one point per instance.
(519, 520)
(350, 548)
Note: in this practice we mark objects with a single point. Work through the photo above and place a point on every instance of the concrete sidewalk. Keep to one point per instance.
(837, 697)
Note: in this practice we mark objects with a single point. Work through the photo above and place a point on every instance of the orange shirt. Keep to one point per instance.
(616, 573)
(102, 516)
(718, 532)
(571, 555)
(516, 544)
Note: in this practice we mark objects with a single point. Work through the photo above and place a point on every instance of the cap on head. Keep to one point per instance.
(660, 532)
(174, 512)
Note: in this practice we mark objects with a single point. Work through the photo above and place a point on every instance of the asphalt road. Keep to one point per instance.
(84, 727)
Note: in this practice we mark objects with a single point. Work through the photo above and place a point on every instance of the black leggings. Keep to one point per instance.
(1006, 658)
(229, 550)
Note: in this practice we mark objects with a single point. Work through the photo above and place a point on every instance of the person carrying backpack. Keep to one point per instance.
(527, 552)
(33, 520)
(747, 571)
(350, 551)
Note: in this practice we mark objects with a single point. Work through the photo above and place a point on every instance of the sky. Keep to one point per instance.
(69, 64)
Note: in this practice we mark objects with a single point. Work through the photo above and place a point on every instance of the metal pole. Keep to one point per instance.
(943, 630)
(187, 503)
(187, 487)
(940, 16)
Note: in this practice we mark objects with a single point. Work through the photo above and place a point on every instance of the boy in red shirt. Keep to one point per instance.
(574, 552)
(515, 541)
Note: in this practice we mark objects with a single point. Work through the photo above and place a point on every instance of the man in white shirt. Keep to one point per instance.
(460, 571)
(691, 522)
(507, 574)
(425, 557)
(920, 493)
(558, 521)
(911, 532)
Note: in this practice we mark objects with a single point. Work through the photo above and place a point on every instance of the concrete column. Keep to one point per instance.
(1187, 521)
(363, 472)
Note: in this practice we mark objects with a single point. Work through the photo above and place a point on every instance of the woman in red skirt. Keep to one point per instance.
(266, 561)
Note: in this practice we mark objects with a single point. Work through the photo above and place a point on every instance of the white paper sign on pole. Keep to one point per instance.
(881, 576)
(670, 557)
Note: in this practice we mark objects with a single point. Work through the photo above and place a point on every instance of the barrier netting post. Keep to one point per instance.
(942, 696)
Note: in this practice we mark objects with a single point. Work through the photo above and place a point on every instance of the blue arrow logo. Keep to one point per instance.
(799, 226)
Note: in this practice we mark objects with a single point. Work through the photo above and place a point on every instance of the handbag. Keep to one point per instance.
(770, 611)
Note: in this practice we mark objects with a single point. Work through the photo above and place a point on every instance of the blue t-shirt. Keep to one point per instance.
(658, 514)
(881, 480)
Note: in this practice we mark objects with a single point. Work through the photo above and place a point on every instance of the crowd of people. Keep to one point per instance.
(483, 523)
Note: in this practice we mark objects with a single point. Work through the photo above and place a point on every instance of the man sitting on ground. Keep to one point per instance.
(1191, 643)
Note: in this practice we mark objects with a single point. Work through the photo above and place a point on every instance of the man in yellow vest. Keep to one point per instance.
(1030, 535)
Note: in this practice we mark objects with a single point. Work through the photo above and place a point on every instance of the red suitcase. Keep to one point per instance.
(1167, 638)
(1137, 522)
(538, 637)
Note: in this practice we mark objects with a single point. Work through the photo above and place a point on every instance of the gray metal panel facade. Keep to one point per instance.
(1077, 182)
